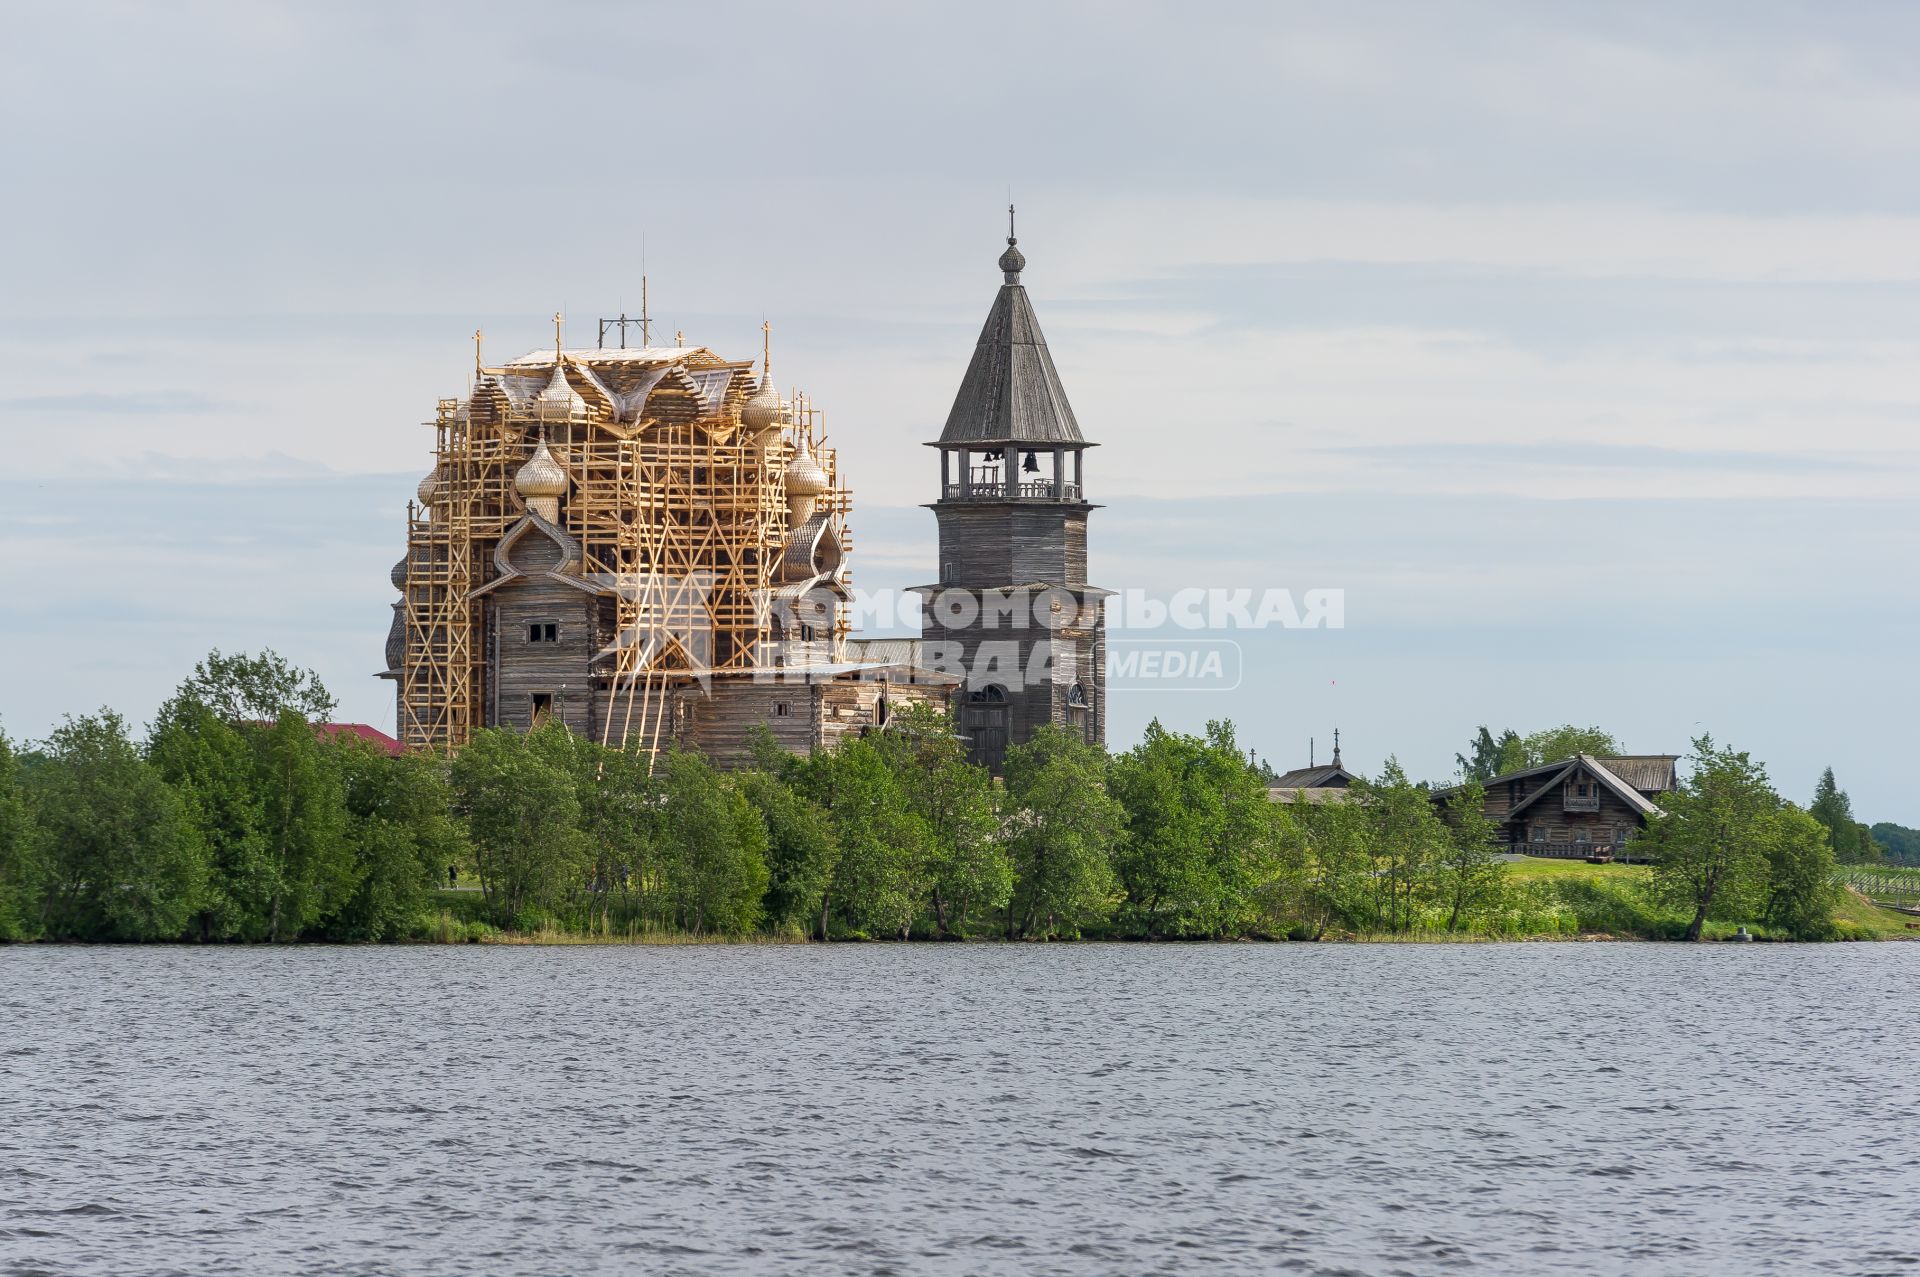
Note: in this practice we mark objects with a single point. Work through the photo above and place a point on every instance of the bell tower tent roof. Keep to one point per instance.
(1011, 394)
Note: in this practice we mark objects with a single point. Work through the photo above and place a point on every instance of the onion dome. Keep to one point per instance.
(429, 489)
(541, 476)
(805, 476)
(559, 399)
(806, 480)
(1013, 261)
(761, 412)
(399, 575)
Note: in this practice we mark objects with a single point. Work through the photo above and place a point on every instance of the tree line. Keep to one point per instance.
(236, 820)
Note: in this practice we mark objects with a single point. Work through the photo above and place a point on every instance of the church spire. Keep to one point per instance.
(1013, 261)
(1011, 393)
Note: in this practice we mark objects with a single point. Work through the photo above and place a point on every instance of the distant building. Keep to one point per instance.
(1325, 782)
(1576, 806)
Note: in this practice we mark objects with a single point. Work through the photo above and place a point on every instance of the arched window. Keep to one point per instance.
(991, 694)
(1077, 696)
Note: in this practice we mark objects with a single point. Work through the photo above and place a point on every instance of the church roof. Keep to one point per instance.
(1011, 393)
(1325, 776)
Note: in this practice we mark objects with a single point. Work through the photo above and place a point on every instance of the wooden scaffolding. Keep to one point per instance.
(681, 512)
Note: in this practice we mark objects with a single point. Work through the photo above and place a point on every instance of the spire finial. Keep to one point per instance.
(766, 349)
(1013, 261)
(477, 363)
(1336, 747)
(557, 344)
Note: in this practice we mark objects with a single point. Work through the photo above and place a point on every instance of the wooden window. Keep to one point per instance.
(543, 632)
(542, 707)
(782, 709)
(1539, 833)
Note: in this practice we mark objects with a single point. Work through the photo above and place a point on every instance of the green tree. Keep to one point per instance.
(881, 873)
(1709, 851)
(1800, 889)
(619, 823)
(1062, 825)
(968, 871)
(1557, 743)
(714, 848)
(800, 851)
(522, 813)
(19, 860)
(401, 835)
(1493, 757)
(1852, 842)
(214, 768)
(1338, 872)
(119, 858)
(244, 688)
(620, 813)
(303, 822)
(1896, 843)
(1200, 837)
(1470, 879)
(1408, 840)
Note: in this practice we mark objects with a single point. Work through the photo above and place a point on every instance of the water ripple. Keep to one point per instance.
(880, 1109)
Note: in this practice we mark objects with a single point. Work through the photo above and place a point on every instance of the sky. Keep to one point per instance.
(1576, 344)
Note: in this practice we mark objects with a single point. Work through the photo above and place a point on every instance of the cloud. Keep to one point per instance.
(1581, 455)
(121, 403)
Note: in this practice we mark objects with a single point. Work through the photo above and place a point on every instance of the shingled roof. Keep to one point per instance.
(1012, 392)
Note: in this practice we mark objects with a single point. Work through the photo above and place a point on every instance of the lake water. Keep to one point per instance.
(1546, 1108)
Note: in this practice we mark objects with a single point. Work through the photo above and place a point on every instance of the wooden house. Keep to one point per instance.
(1576, 808)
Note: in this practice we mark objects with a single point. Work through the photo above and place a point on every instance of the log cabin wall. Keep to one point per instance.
(1548, 821)
(558, 667)
(723, 721)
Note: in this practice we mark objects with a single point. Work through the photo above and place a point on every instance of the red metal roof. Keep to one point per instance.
(363, 731)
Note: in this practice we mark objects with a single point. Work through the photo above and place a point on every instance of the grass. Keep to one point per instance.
(1861, 919)
(1535, 869)
(1606, 899)
(1551, 900)
(461, 918)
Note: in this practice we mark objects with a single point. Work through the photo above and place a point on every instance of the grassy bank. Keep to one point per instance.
(1548, 900)
(1579, 899)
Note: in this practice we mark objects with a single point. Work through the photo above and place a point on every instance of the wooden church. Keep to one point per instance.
(651, 545)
